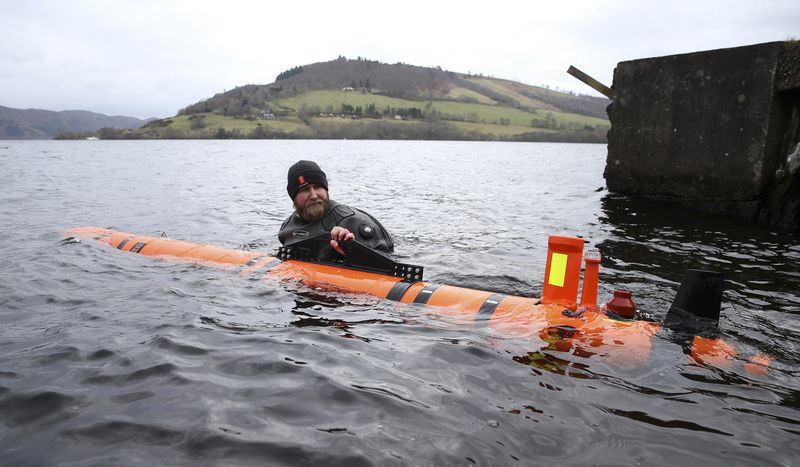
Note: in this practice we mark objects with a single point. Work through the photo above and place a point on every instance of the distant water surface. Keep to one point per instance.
(109, 358)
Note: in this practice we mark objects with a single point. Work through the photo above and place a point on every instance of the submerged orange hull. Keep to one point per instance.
(546, 326)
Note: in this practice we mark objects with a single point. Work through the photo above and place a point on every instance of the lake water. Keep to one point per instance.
(109, 358)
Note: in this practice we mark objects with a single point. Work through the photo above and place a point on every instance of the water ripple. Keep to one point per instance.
(118, 359)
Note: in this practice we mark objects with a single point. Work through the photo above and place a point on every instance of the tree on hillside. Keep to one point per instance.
(289, 73)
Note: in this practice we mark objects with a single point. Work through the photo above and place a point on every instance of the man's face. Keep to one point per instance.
(311, 202)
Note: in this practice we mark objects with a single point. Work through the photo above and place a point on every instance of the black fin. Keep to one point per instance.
(699, 295)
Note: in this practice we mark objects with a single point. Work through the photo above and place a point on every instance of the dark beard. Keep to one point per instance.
(314, 211)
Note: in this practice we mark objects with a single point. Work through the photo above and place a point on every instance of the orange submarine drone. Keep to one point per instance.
(557, 321)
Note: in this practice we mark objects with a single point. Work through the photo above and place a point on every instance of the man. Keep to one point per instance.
(315, 214)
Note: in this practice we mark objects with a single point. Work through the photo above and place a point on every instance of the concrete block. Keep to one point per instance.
(709, 129)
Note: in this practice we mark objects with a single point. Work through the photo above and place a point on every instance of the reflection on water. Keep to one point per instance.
(114, 359)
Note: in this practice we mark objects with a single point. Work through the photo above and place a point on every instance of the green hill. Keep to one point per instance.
(364, 99)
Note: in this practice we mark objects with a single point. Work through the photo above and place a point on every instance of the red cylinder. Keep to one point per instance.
(622, 304)
(590, 279)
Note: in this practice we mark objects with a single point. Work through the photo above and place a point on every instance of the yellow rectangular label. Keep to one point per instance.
(558, 269)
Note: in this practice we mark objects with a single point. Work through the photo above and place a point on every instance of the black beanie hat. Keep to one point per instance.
(301, 174)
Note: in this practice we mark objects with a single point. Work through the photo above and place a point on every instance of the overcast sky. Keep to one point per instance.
(150, 58)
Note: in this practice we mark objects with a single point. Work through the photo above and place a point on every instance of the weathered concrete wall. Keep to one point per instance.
(709, 129)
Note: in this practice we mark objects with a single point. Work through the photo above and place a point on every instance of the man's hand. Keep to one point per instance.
(339, 234)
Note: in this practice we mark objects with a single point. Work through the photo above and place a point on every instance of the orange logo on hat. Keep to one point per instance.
(301, 179)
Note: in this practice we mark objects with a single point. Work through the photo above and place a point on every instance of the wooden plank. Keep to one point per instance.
(593, 83)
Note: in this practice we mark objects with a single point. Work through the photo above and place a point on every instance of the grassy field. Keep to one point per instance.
(332, 101)
(218, 126)
(505, 91)
(499, 130)
(359, 121)
(458, 92)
